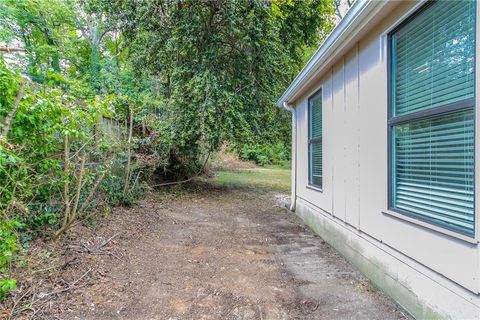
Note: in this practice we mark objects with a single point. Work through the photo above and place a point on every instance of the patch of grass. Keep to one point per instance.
(274, 178)
(286, 165)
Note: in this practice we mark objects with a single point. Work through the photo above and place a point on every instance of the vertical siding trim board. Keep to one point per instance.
(294, 152)
(477, 141)
(332, 165)
(357, 52)
(344, 154)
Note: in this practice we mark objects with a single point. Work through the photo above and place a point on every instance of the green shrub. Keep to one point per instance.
(112, 186)
(274, 154)
(8, 241)
(8, 247)
(7, 285)
(41, 215)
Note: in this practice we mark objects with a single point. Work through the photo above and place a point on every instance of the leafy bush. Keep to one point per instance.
(275, 154)
(8, 241)
(8, 247)
(53, 162)
(41, 215)
(113, 186)
(7, 285)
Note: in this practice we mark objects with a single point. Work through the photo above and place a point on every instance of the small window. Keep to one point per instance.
(432, 116)
(315, 169)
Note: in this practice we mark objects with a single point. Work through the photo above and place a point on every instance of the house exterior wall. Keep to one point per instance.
(432, 273)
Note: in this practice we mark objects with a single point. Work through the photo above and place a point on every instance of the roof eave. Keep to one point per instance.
(351, 25)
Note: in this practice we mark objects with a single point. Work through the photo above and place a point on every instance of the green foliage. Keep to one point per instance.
(9, 83)
(218, 68)
(8, 241)
(8, 247)
(7, 285)
(113, 184)
(34, 170)
(273, 154)
(46, 28)
(43, 215)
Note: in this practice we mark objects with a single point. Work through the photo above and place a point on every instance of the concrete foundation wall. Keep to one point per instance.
(421, 291)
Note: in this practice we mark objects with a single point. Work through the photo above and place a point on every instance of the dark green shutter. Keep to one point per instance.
(315, 139)
(433, 126)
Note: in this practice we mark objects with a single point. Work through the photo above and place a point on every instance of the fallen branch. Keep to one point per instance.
(17, 302)
(103, 244)
(10, 50)
(187, 180)
(41, 297)
(46, 269)
(106, 253)
(107, 241)
(83, 276)
(70, 287)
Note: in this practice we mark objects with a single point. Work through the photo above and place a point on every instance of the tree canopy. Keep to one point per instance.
(219, 66)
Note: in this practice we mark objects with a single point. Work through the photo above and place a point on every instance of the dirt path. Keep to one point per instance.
(218, 253)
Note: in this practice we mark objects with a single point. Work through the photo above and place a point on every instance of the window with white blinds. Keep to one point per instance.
(432, 116)
(315, 156)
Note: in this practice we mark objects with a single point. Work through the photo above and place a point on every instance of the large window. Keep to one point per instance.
(432, 116)
(315, 169)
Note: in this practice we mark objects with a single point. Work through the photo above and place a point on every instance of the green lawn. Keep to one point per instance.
(274, 178)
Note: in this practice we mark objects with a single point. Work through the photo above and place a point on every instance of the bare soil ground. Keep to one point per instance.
(198, 252)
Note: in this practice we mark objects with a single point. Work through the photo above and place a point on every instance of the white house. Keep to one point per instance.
(385, 150)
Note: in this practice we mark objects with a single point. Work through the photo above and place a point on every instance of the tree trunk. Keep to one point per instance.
(66, 187)
(129, 151)
(79, 185)
(8, 119)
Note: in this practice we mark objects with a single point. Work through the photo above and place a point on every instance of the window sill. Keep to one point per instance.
(426, 225)
(315, 188)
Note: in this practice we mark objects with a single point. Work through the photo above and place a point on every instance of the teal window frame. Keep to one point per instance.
(435, 112)
(315, 142)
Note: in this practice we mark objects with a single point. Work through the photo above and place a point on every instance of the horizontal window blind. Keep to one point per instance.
(434, 169)
(432, 172)
(434, 57)
(315, 140)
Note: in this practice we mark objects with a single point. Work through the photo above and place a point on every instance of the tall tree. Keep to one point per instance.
(220, 65)
(43, 27)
